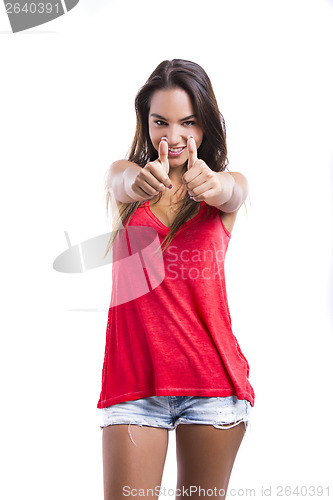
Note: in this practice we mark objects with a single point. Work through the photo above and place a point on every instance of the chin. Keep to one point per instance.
(177, 162)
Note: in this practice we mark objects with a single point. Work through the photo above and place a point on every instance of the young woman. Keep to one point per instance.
(171, 358)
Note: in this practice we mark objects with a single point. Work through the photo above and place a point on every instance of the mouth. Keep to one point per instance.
(174, 152)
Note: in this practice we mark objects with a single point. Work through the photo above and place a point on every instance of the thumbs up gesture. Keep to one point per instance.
(192, 152)
(154, 178)
(201, 181)
(163, 152)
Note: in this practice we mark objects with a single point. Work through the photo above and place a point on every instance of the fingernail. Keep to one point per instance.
(191, 197)
(170, 186)
(190, 136)
(164, 139)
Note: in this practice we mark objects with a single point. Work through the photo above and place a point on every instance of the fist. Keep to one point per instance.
(153, 177)
(201, 182)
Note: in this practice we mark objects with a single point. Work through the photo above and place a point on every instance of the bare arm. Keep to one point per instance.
(120, 177)
(236, 188)
(129, 182)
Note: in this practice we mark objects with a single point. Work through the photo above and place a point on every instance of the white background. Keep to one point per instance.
(67, 111)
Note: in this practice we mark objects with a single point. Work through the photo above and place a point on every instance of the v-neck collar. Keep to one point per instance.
(161, 224)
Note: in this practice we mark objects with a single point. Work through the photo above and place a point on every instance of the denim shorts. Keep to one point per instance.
(170, 411)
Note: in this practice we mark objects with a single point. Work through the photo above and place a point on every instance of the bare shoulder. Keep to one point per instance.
(229, 219)
(116, 168)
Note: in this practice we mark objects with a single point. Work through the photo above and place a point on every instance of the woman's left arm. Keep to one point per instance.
(235, 189)
(226, 191)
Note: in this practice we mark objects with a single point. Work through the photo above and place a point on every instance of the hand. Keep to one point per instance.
(201, 181)
(153, 177)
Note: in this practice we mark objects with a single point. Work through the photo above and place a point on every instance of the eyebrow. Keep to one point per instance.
(183, 119)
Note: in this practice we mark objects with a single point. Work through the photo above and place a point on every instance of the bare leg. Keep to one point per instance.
(205, 457)
(138, 465)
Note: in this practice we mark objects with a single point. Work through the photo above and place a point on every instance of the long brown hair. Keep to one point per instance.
(189, 76)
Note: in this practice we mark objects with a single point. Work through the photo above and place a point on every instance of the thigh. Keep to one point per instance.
(133, 463)
(205, 457)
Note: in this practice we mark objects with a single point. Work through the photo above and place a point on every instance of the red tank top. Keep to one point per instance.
(169, 329)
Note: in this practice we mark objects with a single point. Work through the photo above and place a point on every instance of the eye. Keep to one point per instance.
(189, 123)
(159, 121)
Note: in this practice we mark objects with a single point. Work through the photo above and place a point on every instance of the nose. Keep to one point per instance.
(174, 136)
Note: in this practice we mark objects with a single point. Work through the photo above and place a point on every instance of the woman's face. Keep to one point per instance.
(171, 115)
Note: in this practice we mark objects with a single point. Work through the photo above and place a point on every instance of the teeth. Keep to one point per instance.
(175, 149)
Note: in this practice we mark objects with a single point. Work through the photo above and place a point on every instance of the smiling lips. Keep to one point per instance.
(174, 152)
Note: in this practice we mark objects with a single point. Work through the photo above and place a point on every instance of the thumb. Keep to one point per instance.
(192, 151)
(163, 151)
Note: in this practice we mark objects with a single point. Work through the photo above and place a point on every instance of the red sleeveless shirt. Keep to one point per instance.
(169, 329)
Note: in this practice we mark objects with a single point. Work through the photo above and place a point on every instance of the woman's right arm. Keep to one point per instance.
(128, 186)
(120, 177)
